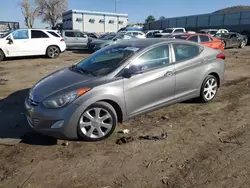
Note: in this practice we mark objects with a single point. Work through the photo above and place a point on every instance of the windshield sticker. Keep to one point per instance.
(134, 49)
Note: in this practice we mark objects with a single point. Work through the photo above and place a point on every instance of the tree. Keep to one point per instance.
(51, 10)
(29, 11)
(150, 18)
(162, 18)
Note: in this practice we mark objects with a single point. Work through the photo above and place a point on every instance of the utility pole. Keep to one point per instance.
(115, 6)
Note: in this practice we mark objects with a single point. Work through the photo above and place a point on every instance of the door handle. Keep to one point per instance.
(169, 73)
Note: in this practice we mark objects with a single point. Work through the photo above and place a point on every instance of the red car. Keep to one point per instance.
(204, 39)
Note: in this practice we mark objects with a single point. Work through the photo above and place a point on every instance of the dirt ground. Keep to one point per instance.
(208, 145)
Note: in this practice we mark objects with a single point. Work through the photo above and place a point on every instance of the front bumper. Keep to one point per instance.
(42, 119)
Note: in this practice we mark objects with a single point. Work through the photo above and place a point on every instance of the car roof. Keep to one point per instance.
(192, 34)
(143, 43)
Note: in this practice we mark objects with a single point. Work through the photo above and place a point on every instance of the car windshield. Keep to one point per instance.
(6, 34)
(107, 37)
(168, 31)
(106, 60)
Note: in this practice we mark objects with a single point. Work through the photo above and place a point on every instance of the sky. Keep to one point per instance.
(137, 10)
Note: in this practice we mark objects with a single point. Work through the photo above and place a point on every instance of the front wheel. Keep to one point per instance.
(208, 89)
(1, 55)
(97, 122)
(243, 44)
(53, 52)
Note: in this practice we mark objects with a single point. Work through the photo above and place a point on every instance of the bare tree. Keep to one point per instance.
(51, 10)
(30, 12)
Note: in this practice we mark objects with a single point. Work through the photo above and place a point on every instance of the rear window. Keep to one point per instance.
(54, 34)
(35, 34)
(178, 31)
(185, 51)
(204, 38)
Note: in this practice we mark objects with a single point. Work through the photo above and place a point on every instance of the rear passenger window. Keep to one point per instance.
(185, 51)
(204, 38)
(54, 34)
(36, 34)
(69, 34)
(154, 58)
(193, 38)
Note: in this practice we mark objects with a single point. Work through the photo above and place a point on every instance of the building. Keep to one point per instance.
(237, 20)
(6, 26)
(90, 21)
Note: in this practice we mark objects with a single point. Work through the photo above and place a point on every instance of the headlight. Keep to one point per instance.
(65, 99)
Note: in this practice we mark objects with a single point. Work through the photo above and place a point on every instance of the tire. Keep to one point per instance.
(2, 56)
(224, 44)
(243, 44)
(89, 130)
(210, 86)
(53, 52)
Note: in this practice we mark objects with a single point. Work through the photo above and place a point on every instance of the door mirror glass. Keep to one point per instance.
(9, 39)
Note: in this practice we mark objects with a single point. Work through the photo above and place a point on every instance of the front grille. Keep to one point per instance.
(32, 121)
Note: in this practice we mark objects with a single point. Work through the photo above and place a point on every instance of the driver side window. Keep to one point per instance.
(20, 34)
(154, 58)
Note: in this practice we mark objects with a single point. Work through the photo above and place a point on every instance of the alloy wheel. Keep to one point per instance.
(210, 89)
(243, 44)
(53, 52)
(96, 123)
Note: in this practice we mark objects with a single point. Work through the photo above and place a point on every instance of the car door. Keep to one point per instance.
(155, 86)
(20, 46)
(81, 40)
(70, 39)
(39, 42)
(233, 41)
(189, 68)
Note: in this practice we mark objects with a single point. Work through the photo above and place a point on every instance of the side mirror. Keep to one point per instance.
(133, 69)
(9, 39)
(114, 39)
(85, 36)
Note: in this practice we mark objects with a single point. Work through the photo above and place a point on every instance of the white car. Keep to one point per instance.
(137, 34)
(29, 42)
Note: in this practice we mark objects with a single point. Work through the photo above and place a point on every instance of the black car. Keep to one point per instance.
(232, 39)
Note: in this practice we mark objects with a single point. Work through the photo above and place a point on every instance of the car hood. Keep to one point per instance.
(60, 82)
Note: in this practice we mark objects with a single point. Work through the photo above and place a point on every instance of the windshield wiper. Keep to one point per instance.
(74, 67)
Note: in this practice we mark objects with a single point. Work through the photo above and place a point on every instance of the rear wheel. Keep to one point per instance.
(208, 89)
(243, 44)
(53, 52)
(1, 55)
(224, 44)
(97, 122)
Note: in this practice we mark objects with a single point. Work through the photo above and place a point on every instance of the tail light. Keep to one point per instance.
(62, 40)
(221, 56)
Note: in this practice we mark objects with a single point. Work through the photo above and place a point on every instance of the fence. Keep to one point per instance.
(238, 21)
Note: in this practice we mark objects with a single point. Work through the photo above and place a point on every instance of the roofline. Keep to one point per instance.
(74, 11)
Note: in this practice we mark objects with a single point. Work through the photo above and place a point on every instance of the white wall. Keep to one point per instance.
(82, 22)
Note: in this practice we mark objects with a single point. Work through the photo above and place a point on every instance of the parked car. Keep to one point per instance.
(151, 34)
(213, 32)
(232, 39)
(92, 35)
(88, 99)
(204, 39)
(75, 39)
(169, 31)
(30, 42)
(136, 34)
(106, 40)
